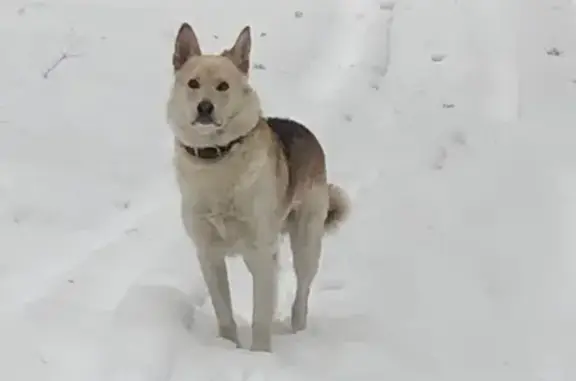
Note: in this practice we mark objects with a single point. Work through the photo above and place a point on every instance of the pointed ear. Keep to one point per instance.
(186, 46)
(239, 54)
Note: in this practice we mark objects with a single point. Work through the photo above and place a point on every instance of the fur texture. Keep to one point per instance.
(272, 181)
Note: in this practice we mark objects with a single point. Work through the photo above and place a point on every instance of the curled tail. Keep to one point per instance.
(339, 209)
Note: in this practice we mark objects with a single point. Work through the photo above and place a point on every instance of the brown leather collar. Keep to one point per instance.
(212, 152)
(218, 152)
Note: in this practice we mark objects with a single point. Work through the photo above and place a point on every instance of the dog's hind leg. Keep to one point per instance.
(215, 275)
(306, 229)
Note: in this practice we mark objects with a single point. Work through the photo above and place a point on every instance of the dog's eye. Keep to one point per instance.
(222, 86)
(193, 84)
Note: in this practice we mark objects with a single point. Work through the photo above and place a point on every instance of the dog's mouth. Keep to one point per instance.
(206, 121)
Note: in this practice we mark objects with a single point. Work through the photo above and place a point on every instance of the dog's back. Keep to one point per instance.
(306, 163)
(304, 154)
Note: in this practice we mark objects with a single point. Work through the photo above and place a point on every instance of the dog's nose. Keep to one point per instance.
(205, 108)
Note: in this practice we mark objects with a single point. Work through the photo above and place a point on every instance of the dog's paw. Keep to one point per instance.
(298, 324)
(261, 347)
(229, 333)
(261, 340)
(299, 317)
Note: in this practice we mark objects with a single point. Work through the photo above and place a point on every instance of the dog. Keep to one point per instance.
(245, 182)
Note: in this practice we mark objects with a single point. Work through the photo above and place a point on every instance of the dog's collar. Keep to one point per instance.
(212, 152)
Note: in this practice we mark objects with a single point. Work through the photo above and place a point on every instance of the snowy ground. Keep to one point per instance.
(451, 123)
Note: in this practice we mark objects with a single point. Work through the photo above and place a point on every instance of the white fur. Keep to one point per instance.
(239, 203)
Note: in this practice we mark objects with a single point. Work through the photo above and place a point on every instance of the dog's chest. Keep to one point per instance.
(236, 202)
(236, 220)
(232, 217)
(226, 188)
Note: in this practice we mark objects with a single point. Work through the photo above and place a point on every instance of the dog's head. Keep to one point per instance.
(211, 102)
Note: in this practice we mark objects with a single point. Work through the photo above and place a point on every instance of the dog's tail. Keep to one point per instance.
(338, 210)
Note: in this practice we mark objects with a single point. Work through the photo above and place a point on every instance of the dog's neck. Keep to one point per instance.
(213, 152)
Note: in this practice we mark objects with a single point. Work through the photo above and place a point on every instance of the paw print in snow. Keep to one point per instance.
(554, 52)
(333, 285)
(387, 5)
(458, 138)
(438, 57)
(440, 159)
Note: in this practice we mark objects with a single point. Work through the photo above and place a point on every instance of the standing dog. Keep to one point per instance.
(245, 180)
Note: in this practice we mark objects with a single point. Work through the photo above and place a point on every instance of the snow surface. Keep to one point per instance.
(450, 123)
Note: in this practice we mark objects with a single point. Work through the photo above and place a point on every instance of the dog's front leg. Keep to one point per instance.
(215, 275)
(263, 267)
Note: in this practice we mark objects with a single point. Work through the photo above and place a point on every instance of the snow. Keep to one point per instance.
(450, 123)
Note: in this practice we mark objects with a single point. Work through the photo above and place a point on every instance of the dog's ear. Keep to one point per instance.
(239, 54)
(186, 46)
